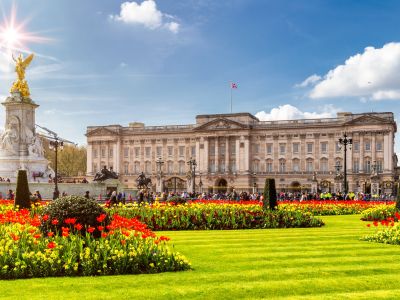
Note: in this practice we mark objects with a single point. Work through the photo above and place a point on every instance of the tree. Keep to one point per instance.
(71, 160)
(270, 199)
(22, 194)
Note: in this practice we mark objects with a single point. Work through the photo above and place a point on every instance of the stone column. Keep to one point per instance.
(216, 155)
(275, 153)
(89, 159)
(227, 154)
(391, 146)
(316, 154)
(373, 146)
(206, 159)
(247, 154)
(237, 145)
(362, 147)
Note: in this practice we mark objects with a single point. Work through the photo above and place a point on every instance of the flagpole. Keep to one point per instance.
(231, 95)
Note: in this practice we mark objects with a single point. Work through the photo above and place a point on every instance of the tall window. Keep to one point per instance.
(337, 148)
(148, 167)
(193, 151)
(379, 146)
(310, 166)
(324, 147)
(310, 147)
(222, 149)
(379, 166)
(295, 148)
(256, 148)
(356, 165)
(324, 165)
(356, 146)
(212, 149)
(126, 152)
(126, 168)
(233, 149)
(170, 151)
(256, 166)
(269, 167)
(212, 166)
(282, 148)
(159, 151)
(232, 165)
(137, 152)
(136, 169)
(269, 148)
(103, 152)
(367, 166)
(282, 166)
(222, 166)
(181, 151)
(111, 152)
(296, 165)
(170, 167)
(367, 146)
(95, 153)
(181, 167)
(147, 152)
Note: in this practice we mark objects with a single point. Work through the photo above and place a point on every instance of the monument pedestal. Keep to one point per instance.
(20, 147)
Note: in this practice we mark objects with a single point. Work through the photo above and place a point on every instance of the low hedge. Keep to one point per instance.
(201, 216)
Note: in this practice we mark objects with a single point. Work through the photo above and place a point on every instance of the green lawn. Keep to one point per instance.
(314, 263)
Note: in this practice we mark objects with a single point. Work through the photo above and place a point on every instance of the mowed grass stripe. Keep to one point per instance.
(312, 263)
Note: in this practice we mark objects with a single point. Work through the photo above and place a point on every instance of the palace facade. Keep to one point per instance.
(238, 151)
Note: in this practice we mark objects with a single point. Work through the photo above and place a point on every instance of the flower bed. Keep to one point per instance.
(126, 246)
(378, 213)
(390, 232)
(215, 216)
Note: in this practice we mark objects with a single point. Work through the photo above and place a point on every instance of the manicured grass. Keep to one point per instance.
(313, 263)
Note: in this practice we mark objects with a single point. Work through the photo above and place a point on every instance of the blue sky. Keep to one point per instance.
(165, 61)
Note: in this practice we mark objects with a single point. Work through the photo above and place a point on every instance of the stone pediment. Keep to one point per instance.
(367, 120)
(222, 124)
(101, 132)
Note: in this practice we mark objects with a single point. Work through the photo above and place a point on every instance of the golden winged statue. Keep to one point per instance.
(20, 85)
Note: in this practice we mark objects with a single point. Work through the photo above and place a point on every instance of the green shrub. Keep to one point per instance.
(84, 211)
(398, 198)
(270, 200)
(22, 194)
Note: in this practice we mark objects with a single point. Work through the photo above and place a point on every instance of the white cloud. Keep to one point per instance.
(290, 112)
(145, 14)
(311, 80)
(372, 74)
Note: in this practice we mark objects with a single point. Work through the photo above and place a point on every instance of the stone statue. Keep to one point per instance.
(36, 148)
(20, 85)
(105, 174)
(142, 182)
(10, 138)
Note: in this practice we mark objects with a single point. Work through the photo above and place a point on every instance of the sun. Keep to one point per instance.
(13, 35)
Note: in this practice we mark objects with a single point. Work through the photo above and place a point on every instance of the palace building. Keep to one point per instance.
(238, 151)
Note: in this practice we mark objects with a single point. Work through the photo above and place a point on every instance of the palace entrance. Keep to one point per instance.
(295, 187)
(174, 184)
(221, 186)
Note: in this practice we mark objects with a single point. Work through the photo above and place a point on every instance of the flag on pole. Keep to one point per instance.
(233, 85)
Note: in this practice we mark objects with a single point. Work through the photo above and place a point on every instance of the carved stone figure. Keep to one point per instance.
(105, 174)
(10, 138)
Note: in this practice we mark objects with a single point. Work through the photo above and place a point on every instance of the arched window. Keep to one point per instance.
(148, 167)
(296, 165)
(282, 166)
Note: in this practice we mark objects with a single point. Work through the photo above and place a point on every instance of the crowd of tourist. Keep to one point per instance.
(4, 179)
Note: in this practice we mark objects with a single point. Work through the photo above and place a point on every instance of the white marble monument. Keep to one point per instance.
(20, 147)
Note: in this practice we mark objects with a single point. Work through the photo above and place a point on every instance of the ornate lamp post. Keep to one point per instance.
(54, 145)
(345, 142)
(192, 166)
(159, 163)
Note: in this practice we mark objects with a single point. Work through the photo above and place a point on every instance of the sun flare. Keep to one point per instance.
(13, 36)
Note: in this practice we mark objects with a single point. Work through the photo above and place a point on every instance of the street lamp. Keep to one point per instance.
(192, 166)
(159, 163)
(201, 185)
(54, 145)
(345, 142)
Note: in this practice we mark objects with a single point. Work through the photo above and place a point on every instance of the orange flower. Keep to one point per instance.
(50, 234)
(78, 226)
(90, 229)
(54, 222)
